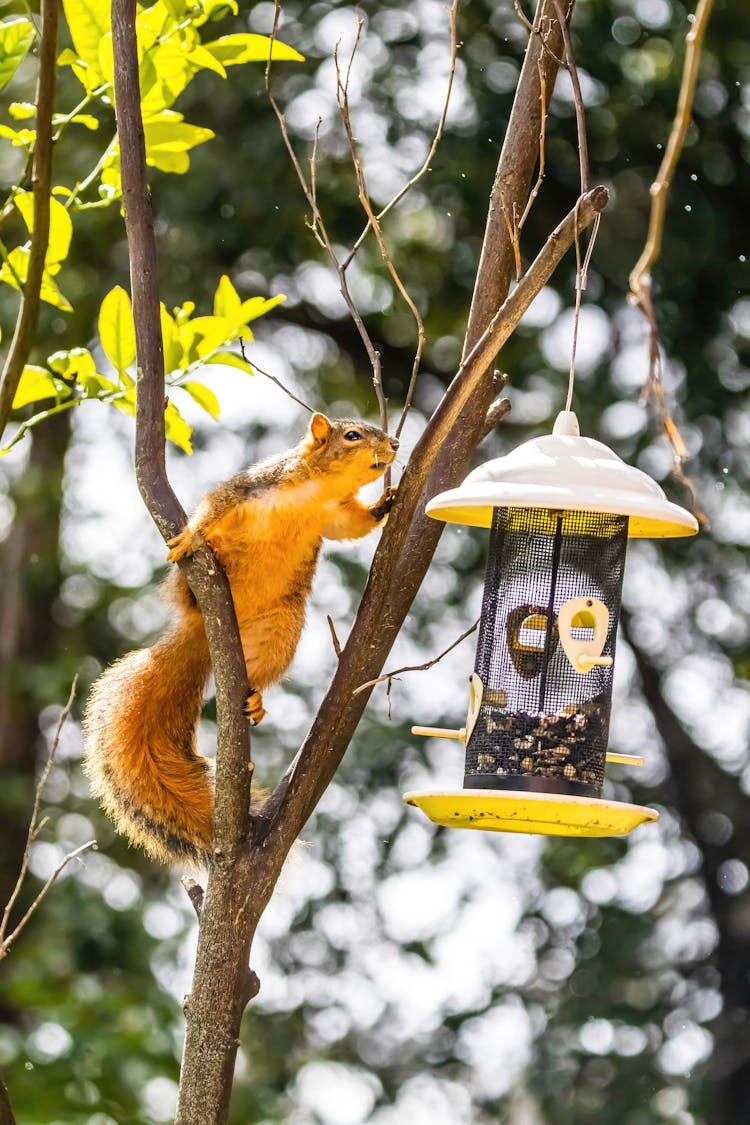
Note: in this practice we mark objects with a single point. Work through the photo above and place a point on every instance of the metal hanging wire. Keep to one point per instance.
(582, 268)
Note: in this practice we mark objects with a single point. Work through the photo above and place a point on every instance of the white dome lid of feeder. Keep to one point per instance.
(564, 472)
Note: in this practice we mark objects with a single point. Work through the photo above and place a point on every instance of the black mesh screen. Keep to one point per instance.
(542, 725)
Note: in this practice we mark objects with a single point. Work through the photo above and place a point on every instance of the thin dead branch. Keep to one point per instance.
(274, 379)
(425, 168)
(572, 69)
(514, 177)
(389, 676)
(660, 187)
(342, 98)
(542, 139)
(35, 827)
(640, 277)
(334, 636)
(28, 313)
(318, 227)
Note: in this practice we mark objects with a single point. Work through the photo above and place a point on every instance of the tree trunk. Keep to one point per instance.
(699, 787)
(29, 558)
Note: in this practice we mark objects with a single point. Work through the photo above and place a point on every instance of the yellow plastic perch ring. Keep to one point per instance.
(539, 813)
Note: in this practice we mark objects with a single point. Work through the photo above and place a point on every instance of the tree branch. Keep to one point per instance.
(640, 277)
(216, 1004)
(206, 578)
(515, 168)
(641, 272)
(439, 460)
(28, 313)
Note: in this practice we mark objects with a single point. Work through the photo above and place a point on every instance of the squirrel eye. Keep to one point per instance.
(352, 435)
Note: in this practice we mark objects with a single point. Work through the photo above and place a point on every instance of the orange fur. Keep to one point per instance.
(265, 527)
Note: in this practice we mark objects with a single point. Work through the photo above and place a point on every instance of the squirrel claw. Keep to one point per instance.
(383, 506)
(181, 545)
(254, 710)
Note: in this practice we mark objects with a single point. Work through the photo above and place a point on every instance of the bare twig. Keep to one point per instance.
(35, 827)
(496, 414)
(28, 313)
(334, 637)
(318, 227)
(542, 138)
(425, 168)
(523, 17)
(660, 186)
(342, 98)
(416, 667)
(570, 64)
(514, 177)
(274, 379)
(505, 319)
(640, 277)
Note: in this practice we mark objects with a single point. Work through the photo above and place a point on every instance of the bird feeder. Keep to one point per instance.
(561, 509)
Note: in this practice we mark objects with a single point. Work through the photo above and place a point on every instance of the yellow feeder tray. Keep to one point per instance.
(544, 814)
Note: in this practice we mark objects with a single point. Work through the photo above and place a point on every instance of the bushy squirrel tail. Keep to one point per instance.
(141, 755)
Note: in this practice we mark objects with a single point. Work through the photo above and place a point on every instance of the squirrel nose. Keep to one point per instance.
(394, 444)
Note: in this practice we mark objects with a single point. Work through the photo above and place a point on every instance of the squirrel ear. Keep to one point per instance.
(320, 428)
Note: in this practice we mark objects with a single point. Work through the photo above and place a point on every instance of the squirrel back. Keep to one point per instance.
(265, 526)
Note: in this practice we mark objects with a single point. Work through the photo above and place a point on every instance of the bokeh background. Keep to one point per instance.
(409, 973)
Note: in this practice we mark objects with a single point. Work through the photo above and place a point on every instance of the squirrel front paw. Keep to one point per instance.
(383, 506)
(254, 710)
(181, 545)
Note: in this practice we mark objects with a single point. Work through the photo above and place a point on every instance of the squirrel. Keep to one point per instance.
(265, 527)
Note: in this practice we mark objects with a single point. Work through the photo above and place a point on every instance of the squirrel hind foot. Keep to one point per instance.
(254, 710)
(180, 545)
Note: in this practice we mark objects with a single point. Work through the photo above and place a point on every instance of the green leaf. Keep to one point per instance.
(89, 22)
(116, 329)
(227, 301)
(178, 431)
(259, 306)
(60, 227)
(202, 59)
(216, 10)
(231, 359)
(16, 36)
(89, 75)
(86, 119)
(36, 384)
(22, 110)
(78, 363)
(19, 260)
(169, 133)
(204, 396)
(170, 342)
(19, 137)
(247, 47)
(204, 334)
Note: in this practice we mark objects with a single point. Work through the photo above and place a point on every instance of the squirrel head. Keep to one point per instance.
(357, 451)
